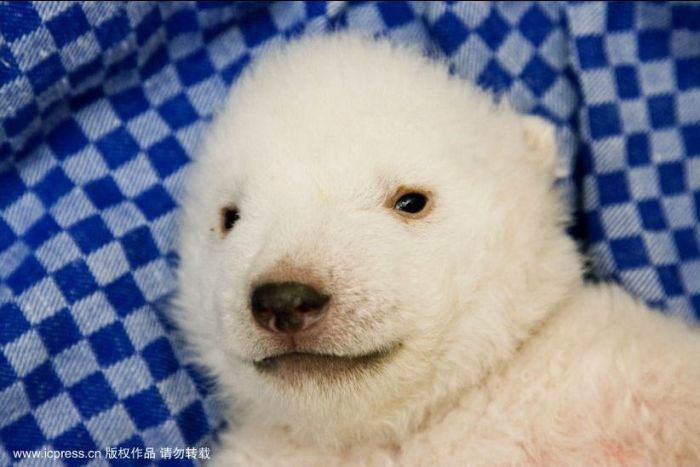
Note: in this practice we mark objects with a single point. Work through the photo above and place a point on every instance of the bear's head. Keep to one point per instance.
(364, 238)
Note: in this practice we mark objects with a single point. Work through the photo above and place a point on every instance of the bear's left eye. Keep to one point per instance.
(411, 203)
(229, 216)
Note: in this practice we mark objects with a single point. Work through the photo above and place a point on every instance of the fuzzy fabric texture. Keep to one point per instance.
(492, 350)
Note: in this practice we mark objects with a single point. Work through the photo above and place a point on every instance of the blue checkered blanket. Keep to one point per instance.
(102, 106)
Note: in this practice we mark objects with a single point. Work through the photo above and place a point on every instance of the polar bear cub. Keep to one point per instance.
(374, 268)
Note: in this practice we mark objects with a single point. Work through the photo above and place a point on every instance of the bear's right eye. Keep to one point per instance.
(229, 216)
(411, 203)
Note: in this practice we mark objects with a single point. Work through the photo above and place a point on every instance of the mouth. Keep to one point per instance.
(296, 365)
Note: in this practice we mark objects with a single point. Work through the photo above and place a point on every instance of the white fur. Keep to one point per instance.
(506, 357)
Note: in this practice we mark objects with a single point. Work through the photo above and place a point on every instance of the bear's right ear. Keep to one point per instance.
(539, 137)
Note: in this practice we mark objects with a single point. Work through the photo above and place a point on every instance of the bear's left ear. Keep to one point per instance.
(539, 136)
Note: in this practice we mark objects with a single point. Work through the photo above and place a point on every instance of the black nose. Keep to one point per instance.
(287, 307)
